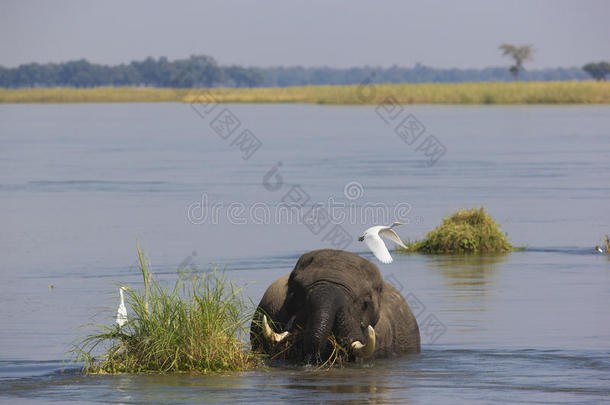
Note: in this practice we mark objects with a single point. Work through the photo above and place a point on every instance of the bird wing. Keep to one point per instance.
(376, 245)
(391, 235)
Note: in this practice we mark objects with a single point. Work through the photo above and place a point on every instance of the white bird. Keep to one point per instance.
(599, 249)
(372, 239)
(121, 313)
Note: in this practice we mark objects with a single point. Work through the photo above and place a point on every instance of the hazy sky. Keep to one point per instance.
(310, 33)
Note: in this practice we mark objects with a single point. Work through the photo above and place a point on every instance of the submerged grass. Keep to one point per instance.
(605, 244)
(196, 326)
(470, 231)
(290, 349)
(566, 92)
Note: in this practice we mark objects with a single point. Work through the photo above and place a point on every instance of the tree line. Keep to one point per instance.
(204, 71)
(196, 71)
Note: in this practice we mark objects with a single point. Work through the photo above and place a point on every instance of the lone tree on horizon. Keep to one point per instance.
(597, 70)
(519, 54)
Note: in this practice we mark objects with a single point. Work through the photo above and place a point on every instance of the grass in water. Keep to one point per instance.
(605, 244)
(289, 349)
(464, 232)
(567, 92)
(196, 326)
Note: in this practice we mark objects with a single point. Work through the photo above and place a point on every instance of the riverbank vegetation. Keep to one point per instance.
(465, 231)
(197, 325)
(573, 92)
(205, 71)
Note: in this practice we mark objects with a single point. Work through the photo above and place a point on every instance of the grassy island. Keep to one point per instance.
(470, 231)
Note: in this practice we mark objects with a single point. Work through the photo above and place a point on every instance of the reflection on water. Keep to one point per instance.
(367, 384)
(469, 282)
(476, 272)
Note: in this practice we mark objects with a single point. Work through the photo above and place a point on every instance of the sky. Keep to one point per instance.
(443, 34)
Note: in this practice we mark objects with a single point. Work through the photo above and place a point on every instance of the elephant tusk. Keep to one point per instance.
(270, 334)
(365, 350)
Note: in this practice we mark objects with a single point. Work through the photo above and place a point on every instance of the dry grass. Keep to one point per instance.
(566, 92)
(289, 349)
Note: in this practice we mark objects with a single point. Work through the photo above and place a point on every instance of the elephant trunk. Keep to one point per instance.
(362, 343)
(320, 323)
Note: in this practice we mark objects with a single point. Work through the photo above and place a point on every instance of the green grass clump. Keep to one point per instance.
(196, 326)
(464, 232)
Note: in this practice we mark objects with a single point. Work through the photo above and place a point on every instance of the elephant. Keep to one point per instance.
(338, 293)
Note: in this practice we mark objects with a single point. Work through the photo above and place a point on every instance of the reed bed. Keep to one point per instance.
(195, 326)
(566, 92)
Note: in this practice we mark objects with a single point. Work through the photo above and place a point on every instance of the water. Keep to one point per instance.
(79, 183)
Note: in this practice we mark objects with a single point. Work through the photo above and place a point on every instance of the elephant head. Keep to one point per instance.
(328, 292)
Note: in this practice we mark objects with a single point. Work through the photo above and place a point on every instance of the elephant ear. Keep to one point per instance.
(358, 275)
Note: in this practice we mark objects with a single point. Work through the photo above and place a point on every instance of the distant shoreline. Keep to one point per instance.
(481, 93)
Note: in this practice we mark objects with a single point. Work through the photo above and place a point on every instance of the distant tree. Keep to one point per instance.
(597, 70)
(124, 75)
(519, 54)
(208, 73)
(243, 77)
(78, 73)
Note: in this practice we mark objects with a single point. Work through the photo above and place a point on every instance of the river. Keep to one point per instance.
(80, 182)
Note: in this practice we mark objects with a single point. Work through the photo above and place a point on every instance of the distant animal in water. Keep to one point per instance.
(333, 293)
(599, 249)
(372, 238)
(121, 313)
